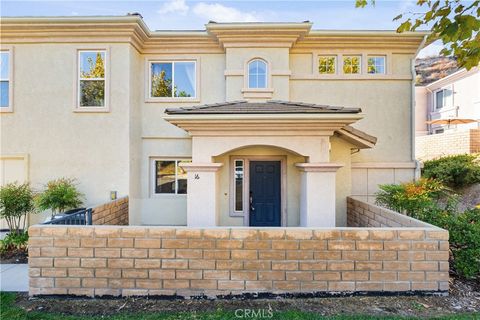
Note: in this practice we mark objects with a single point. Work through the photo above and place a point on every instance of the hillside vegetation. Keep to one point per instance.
(431, 69)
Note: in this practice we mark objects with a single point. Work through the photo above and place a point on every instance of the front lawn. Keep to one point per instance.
(19, 306)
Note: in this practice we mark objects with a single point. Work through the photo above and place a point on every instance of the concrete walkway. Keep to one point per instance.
(14, 277)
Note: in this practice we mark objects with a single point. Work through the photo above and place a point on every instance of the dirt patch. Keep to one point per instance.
(14, 257)
(464, 298)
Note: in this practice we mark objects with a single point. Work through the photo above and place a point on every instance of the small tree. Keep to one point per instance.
(60, 195)
(16, 202)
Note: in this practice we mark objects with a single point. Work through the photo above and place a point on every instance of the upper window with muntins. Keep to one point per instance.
(257, 74)
(91, 80)
(5, 85)
(327, 64)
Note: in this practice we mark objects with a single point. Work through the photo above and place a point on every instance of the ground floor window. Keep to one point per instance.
(169, 176)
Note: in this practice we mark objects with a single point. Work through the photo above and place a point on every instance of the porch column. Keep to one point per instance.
(317, 194)
(202, 194)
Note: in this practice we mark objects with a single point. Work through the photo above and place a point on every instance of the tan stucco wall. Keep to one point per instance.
(91, 147)
(292, 183)
(421, 111)
(113, 151)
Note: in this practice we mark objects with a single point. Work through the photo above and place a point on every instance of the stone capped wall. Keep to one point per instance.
(124, 261)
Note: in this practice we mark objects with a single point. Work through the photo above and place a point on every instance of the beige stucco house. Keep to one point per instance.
(456, 96)
(255, 124)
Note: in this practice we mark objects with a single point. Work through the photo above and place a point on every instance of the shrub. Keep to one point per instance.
(14, 242)
(412, 197)
(454, 171)
(419, 200)
(464, 229)
(16, 202)
(60, 195)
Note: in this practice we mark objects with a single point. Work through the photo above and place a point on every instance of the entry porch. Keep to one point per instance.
(268, 164)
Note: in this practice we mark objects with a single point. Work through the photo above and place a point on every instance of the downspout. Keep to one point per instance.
(418, 164)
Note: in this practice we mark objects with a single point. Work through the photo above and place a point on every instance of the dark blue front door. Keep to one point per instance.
(265, 205)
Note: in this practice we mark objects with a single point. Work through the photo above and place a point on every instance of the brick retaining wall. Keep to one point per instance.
(362, 214)
(113, 260)
(111, 213)
(448, 143)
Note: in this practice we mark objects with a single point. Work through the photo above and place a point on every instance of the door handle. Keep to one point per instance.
(252, 208)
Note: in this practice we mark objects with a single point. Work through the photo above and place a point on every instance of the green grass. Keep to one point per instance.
(9, 311)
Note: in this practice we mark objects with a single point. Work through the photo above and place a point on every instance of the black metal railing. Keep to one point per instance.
(74, 217)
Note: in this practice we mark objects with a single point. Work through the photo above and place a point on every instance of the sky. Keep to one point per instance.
(193, 15)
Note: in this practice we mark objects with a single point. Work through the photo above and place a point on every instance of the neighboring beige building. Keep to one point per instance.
(452, 97)
(266, 123)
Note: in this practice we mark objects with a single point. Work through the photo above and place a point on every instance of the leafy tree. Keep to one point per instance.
(162, 86)
(60, 195)
(456, 23)
(93, 91)
(16, 202)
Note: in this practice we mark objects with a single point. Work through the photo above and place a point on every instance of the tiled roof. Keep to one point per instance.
(269, 107)
(360, 134)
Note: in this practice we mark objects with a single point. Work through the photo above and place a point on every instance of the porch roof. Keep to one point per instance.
(269, 107)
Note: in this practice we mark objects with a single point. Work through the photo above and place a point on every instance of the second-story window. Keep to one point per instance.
(175, 79)
(91, 80)
(327, 64)
(351, 64)
(257, 74)
(443, 98)
(5, 79)
(376, 64)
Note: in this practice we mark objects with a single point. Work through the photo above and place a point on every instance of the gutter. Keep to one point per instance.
(418, 165)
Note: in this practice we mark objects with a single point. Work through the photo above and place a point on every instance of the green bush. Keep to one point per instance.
(419, 200)
(60, 195)
(454, 171)
(16, 202)
(464, 229)
(410, 198)
(14, 242)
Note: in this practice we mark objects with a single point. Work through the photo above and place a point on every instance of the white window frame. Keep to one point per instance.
(384, 63)
(106, 64)
(335, 64)
(9, 50)
(233, 211)
(445, 106)
(359, 56)
(153, 176)
(266, 74)
(172, 99)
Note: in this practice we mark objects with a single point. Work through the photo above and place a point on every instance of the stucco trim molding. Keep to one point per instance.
(201, 167)
(319, 166)
(383, 165)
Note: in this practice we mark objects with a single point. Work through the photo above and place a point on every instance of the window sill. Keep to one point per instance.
(172, 100)
(6, 110)
(258, 93)
(91, 110)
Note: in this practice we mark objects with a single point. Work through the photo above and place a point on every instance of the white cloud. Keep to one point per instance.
(431, 50)
(220, 13)
(174, 6)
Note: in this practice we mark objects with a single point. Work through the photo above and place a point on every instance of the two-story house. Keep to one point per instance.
(255, 124)
(454, 97)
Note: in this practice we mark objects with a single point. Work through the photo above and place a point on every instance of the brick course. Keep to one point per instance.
(132, 260)
(112, 213)
(448, 143)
